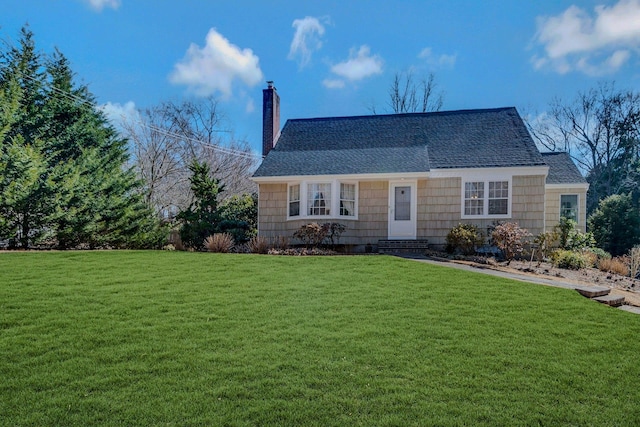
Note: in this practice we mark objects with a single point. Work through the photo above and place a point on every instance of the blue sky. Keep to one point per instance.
(334, 58)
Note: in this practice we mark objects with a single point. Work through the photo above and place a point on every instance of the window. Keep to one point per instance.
(347, 199)
(569, 206)
(294, 200)
(498, 197)
(333, 199)
(474, 198)
(319, 199)
(486, 199)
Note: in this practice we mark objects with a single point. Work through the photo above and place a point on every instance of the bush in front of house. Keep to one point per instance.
(219, 242)
(464, 239)
(510, 239)
(313, 235)
(617, 265)
(570, 238)
(570, 260)
(258, 245)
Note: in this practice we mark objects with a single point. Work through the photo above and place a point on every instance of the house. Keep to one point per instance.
(410, 176)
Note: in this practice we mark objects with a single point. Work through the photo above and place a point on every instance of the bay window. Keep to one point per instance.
(328, 199)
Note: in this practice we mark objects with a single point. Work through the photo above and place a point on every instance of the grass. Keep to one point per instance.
(186, 339)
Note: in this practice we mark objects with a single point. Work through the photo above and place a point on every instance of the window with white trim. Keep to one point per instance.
(347, 199)
(486, 199)
(569, 206)
(318, 199)
(333, 199)
(294, 200)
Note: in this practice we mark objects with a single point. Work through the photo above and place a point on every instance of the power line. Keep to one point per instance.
(215, 147)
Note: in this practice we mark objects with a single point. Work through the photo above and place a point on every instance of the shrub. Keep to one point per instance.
(634, 262)
(616, 224)
(545, 243)
(334, 230)
(464, 238)
(219, 242)
(594, 255)
(614, 265)
(510, 238)
(311, 235)
(280, 242)
(570, 260)
(258, 245)
(570, 238)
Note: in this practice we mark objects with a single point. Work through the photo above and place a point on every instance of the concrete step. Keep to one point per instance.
(612, 300)
(630, 309)
(402, 246)
(593, 291)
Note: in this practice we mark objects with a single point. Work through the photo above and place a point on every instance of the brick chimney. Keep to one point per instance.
(270, 117)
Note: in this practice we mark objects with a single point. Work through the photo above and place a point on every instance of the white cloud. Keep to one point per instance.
(98, 5)
(595, 45)
(250, 107)
(306, 39)
(216, 66)
(437, 61)
(333, 83)
(117, 113)
(359, 65)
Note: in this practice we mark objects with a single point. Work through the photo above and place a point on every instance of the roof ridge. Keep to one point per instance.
(425, 114)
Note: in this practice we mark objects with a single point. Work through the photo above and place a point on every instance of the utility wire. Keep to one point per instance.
(82, 101)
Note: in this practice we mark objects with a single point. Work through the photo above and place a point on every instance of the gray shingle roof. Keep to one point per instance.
(398, 143)
(562, 170)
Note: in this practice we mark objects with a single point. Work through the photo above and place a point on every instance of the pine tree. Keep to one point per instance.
(72, 188)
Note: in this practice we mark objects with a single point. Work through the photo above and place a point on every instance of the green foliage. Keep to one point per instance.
(568, 259)
(510, 238)
(464, 238)
(239, 216)
(615, 224)
(570, 238)
(202, 218)
(62, 177)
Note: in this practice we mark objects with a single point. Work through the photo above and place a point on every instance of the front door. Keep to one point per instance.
(402, 210)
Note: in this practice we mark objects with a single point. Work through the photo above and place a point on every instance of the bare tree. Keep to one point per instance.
(406, 95)
(166, 138)
(600, 130)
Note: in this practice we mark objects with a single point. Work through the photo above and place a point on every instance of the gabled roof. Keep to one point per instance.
(397, 143)
(562, 170)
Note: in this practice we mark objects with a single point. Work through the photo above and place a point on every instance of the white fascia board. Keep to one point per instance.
(489, 172)
(574, 186)
(434, 173)
(345, 177)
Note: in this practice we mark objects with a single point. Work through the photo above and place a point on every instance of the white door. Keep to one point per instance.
(402, 210)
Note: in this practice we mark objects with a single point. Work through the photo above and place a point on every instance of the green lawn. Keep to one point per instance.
(173, 338)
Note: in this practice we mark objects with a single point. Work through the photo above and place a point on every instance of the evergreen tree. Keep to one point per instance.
(615, 224)
(202, 218)
(67, 162)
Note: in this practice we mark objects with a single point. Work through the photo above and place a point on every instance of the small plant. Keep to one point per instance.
(219, 242)
(280, 242)
(614, 265)
(311, 235)
(258, 245)
(634, 262)
(594, 255)
(545, 243)
(570, 260)
(334, 230)
(570, 238)
(464, 239)
(510, 238)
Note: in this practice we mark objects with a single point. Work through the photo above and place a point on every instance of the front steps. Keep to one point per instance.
(601, 294)
(402, 246)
